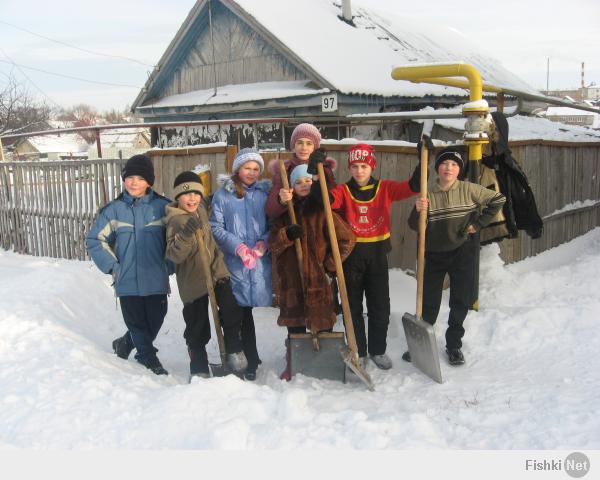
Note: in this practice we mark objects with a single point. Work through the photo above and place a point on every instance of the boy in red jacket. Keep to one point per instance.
(365, 203)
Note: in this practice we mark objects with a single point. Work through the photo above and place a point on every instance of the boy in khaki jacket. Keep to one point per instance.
(184, 217)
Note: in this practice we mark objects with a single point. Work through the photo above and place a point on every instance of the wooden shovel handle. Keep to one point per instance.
(422, 227)
(211, 291)
(292, 213)
(335, 250)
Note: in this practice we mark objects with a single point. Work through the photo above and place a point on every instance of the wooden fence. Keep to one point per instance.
(46, 208)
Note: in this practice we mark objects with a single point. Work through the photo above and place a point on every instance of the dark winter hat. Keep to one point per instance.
(139, 165)
(187, 182)
(306, 130)
(362, 153)
(449, 155)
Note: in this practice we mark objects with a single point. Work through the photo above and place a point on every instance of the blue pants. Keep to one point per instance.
(143, 317)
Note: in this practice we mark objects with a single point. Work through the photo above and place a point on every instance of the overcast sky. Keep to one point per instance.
(521, 34)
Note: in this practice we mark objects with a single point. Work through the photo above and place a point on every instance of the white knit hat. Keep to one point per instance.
(247, 155)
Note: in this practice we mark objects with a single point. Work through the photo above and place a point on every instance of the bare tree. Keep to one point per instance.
(19, 111)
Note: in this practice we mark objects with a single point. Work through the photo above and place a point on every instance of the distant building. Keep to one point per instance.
(573, 116)
(121, 143)
(51, 147)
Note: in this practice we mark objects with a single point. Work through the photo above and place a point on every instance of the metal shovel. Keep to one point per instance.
(349, 353)
(420, 335)
(312, 354)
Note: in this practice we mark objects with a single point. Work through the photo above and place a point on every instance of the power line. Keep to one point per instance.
(72, 77)
(76, 47)
(29, 79)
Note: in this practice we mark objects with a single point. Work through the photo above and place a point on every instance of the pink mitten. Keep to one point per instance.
(260, 248)
(248, 256)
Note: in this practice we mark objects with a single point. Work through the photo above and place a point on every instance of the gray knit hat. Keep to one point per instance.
(247, 155)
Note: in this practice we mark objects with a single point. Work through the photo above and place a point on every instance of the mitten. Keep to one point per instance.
(189, 229)
(260, 248)
(293, 231)
(318, 156)
(247, 255)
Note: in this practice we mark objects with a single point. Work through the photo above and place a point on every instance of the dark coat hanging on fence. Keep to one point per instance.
(520, 209)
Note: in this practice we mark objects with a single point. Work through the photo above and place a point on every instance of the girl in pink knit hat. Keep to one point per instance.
(305, 141)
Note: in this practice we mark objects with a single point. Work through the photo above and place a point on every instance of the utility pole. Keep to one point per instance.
(547, 74)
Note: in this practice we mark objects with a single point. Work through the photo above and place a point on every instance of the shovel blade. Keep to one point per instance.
(219, 370)
(348, 357)
(322, 362)
(422, 346)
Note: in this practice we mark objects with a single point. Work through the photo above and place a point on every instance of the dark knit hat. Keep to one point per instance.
(362, 153)
(187, 182)
(139, 165)
(449, 155)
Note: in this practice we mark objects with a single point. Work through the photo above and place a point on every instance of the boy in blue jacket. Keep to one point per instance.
(128, 241)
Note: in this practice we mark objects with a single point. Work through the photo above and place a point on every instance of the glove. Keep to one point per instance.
(414, 181)
(318, 156)
(425, 140)
(293, 231)
(260, 248)
(189, 229)
(248, 256)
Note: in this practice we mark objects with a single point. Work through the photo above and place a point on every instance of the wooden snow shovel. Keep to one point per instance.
(350, 352)
(312, 354)
(218, 370)
(420, 335)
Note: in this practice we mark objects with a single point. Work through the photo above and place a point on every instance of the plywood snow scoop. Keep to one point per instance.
(350, 352)
(218, 370)
(312, 354)
(420, 335)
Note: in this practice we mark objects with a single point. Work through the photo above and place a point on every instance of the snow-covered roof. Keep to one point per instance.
(239, 93)
(64, 143)
(121, 138)
(353, 59)
(360, 59)
(532, 128)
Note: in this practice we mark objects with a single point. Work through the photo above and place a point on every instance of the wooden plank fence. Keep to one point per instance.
(46, 208)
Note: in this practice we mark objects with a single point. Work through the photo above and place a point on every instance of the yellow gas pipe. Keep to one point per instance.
(444, 74)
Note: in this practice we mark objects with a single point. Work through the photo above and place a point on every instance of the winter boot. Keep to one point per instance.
(382, 361)
(287, 372)
(198, 363)
(122, 346)
(406, 356)
(455, 356)
(250, 374)
(237, 362)
(156, 367)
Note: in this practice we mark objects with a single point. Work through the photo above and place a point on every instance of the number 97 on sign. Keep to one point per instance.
(329, 103)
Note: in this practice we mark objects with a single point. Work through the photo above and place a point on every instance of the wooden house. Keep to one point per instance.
(285, 59)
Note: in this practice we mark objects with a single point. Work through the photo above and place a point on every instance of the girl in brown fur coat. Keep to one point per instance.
(313, 307)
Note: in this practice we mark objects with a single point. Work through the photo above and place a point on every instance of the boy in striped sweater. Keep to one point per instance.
(455, 210)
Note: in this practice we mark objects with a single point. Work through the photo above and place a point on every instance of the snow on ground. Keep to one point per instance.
(531, 379)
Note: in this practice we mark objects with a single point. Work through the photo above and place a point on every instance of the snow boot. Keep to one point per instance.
(250, 374)
(382, 361)
(455, 356)
(122, 346)
(406, 356)
(156, 367)
(198, 363)
(237, 362)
